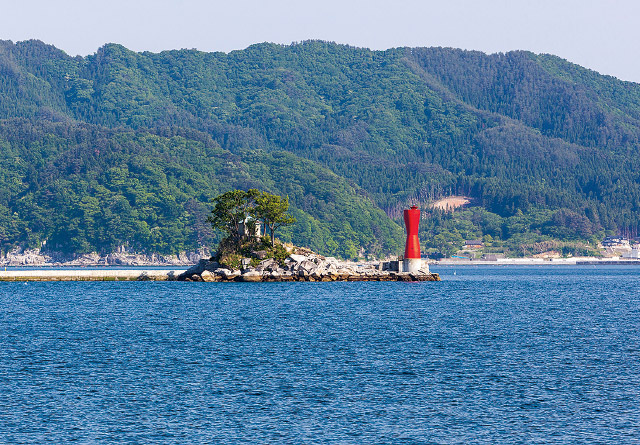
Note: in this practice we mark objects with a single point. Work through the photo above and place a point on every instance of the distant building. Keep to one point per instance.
(634, 254)
(246, 227)
(615, 241)
(473, 244)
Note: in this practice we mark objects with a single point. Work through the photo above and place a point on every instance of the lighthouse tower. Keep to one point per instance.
(412, 261)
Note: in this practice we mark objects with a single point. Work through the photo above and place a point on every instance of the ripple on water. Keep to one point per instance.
(493, 354)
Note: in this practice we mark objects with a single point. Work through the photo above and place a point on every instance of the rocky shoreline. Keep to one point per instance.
(37, 258)
(303, 265)
(302, 268)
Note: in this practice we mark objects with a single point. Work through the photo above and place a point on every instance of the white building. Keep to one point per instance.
(632, 254)
(246, 225)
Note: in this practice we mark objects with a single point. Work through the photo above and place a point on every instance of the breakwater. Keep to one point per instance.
(294, 268)
(303, 268)
(90, 275)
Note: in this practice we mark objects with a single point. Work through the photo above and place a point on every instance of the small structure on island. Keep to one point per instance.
(412, 261)
(250, 228)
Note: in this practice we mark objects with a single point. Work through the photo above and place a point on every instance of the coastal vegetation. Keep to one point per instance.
(242, 216)
(127, 149)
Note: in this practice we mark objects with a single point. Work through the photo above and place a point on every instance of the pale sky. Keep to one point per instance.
(601, 35)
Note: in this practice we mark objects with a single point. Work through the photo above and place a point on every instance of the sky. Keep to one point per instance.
(600, 35)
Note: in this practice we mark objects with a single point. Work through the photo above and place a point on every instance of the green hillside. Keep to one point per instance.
(124, 148)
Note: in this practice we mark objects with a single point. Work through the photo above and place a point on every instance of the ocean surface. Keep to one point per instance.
(547, 354)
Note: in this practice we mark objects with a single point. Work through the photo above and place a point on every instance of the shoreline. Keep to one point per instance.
(91, 275)
(179, 275)
(576, 261)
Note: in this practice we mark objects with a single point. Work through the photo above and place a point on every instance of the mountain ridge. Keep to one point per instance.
(516, 131)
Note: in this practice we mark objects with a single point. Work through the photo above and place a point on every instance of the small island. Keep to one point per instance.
(302, 266)
(250, 251)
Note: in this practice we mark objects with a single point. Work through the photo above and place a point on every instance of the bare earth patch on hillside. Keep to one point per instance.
(451, 203)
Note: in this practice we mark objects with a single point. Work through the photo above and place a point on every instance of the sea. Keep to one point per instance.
(489, 355)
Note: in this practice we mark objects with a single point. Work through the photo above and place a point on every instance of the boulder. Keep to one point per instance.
(319, 273)
(196, 269)
(211, 265)
(275, 275)
(297, 258)
(228, 274)
(308, 266)
(251, 276)
(332, 267)
(269, 264)
(208, 276)
(245, 262)
(319, 261)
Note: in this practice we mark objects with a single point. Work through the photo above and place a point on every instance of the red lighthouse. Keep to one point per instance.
(412, 262)
(412, 221)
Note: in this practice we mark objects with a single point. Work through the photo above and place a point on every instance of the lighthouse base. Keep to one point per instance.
(413, 265)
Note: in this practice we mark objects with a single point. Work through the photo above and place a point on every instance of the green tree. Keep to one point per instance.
(272, 211)
(230, 210)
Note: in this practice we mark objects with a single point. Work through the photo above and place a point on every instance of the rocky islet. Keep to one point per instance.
(298, 267)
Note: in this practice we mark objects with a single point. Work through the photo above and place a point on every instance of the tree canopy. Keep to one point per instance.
(238, 208)
(271, 210)
(231, 209)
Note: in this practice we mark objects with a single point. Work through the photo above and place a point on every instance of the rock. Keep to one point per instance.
(318, 274)
(299, 267)
(261, 254)
(35, 257)
(211, 265)
(198, 268)
(307, 266)
(208, 276)
(268, 263)
(251, 276)
(228, 274)
(297, 258)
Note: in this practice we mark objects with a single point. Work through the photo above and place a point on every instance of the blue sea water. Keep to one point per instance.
(488, 355)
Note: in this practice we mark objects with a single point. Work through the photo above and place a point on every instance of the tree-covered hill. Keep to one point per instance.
(128, 148)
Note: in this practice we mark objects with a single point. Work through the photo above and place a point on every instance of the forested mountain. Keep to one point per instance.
(124, 148)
